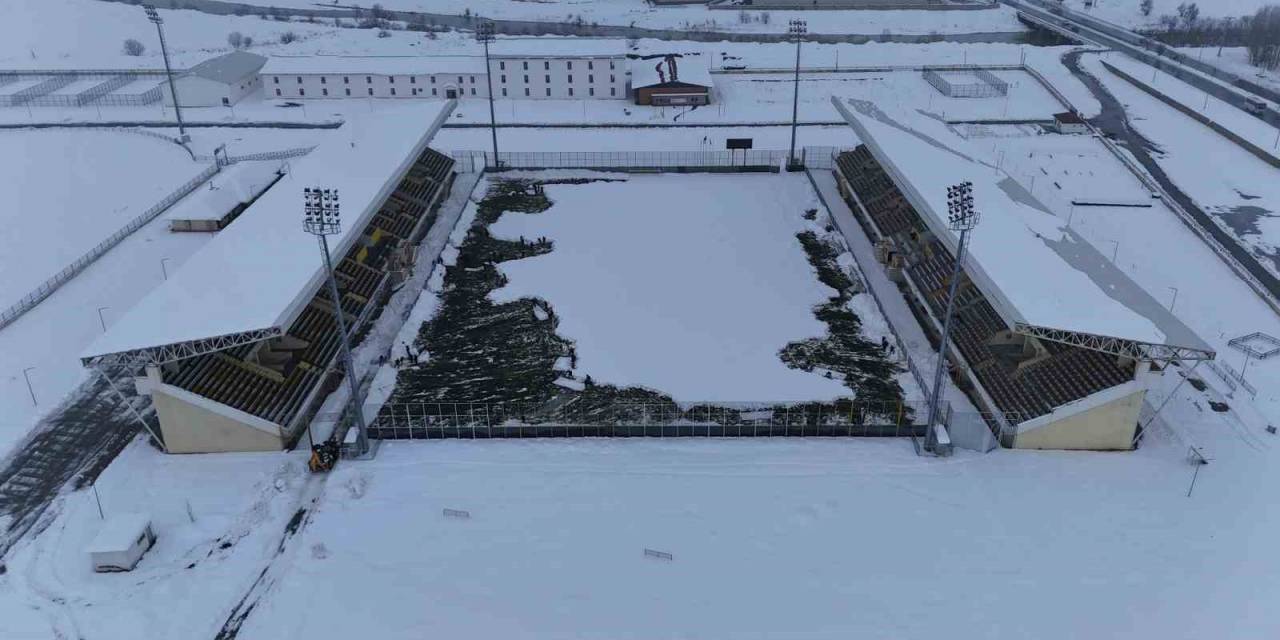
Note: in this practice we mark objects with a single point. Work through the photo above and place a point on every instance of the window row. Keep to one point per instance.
(546, 65)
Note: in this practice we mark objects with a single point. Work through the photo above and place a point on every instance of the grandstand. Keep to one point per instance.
(239, 347)
(1049, 337)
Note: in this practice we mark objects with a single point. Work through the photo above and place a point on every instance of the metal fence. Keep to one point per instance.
(50, 285)
(724, 160)
(19, 98)
(584, 418)
(952, 82)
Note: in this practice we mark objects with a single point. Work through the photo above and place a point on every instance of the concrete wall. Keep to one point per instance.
(189, 427)
(1110, 426)
(195, 91)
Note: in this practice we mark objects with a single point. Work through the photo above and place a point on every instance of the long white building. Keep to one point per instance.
(520, 68)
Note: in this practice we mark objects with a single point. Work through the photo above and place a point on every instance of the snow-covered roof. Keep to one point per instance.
(1030, 266)
(260, 271)
(690, 69)
(240, 182)
(119, 533)
(229, 68)
(558, 47)
(373, 65)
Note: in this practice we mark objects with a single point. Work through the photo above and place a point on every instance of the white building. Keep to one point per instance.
(534, 68)
(218, 82)
(121, 542)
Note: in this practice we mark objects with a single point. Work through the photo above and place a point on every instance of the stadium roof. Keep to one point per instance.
(253, 279)
(1039, 275)
(690, 69)
(228, 68)
(373, 65)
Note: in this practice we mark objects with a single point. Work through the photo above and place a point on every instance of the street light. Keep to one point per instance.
(163, 270)
(961, 217)
(155, 18)
(322, 217)
(29, 389)
(484, 35)
(795, 32)
(100, 320)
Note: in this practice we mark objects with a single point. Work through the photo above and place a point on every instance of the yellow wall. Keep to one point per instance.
(1106, 427)
(190, 428)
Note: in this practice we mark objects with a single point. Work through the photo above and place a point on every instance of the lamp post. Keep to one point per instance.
(100, 320)
(961, 217)
(31, 391)
(322, 217)
(795, 31)
(155, 18)
(164, 270)
(484, 34)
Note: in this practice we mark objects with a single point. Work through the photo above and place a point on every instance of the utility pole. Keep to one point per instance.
(484, 34)
(322, 217)
(961, 217)
(795, 31)
(154, 17)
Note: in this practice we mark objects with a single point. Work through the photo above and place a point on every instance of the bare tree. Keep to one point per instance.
(1145, 7)
(235, 39)
(287, 37)
(1188, 12)
(133, 47)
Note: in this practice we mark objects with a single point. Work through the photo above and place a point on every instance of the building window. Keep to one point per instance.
(526, 92)
(526, 78)
(504, 92)
(393, 91)
(299, 79)
(548, 79)
(591, 78)
(434, 92)
(570, 78)
(368, 79)
(526, 65)
(346, 79)
(392, 79)
(502, 66)
(611, 78)
(473, 79)
(302, 92)
(370, 90)
(504, 79)
(276, 79)
(613, 91)
(433, 79)
(348, 92)
(413, 79)
(473, 91)
(324, 92)
(568, 64)
(277, 92)
(570, 91)
(322, 80)
(591, 91)
(548, 92)
(590, 65)
(459, 79)
(610, 64)
(546, 65)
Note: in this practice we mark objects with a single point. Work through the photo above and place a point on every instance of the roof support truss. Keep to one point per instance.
(1140, 351)
(180, 350)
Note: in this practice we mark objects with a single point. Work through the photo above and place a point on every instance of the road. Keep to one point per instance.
(531, 28)
(1114, 122)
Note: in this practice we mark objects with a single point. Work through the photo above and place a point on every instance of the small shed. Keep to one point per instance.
(1069, 122)
(121, 542)
(671, 80)
(218, 82)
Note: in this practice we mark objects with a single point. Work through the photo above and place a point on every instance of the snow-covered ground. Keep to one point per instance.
(1234, 186)
(642, 14)
(688, 284)
(1126, 12)
(69, 190)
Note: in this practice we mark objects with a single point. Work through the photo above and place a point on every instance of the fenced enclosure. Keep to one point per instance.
(624, 419)
(972, 82)
(674, 161)
(142, 88)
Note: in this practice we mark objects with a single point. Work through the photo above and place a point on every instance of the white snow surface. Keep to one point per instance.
(254, 273)
(68, 190)
(687, 284)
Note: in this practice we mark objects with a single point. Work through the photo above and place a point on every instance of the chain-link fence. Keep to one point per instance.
(586, 418)
(974, 82)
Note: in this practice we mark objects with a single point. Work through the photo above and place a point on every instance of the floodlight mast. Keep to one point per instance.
(154, 17)
(795, 31)
(484, 34)
(961, 217)
(322, 217)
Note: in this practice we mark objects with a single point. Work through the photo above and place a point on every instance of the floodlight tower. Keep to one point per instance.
(322, 217)
(961, 217)
(155, 18)
(795, 31)
(484, 34)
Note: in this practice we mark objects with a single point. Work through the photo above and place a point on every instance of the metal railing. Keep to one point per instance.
(984, 84)
(36, 296)
(587, 418)
(749, 159)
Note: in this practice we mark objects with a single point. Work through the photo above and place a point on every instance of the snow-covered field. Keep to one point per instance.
(1126, 12)
(688, 284)
(70, 190)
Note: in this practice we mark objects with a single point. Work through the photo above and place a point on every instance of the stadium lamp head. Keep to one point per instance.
(960, 210)
(484, 31)
(152, 14)
(321, 213)
(797, 28)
